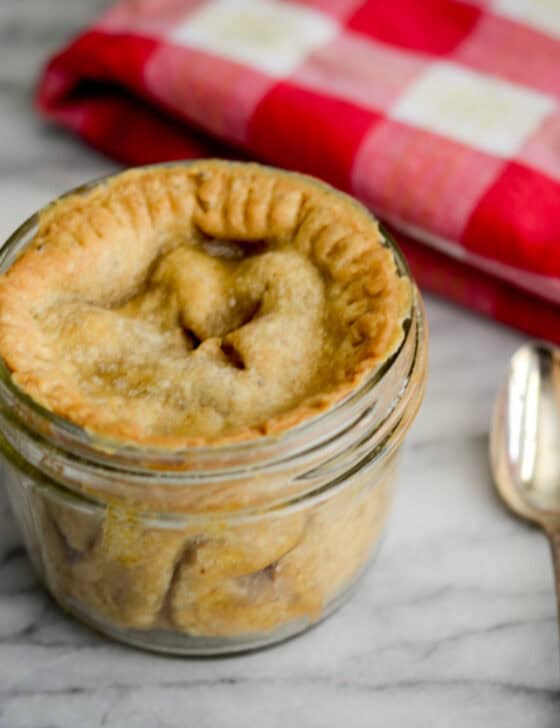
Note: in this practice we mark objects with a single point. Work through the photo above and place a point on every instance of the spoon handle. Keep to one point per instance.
(554, 539)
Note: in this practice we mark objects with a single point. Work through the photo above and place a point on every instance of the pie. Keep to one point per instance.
(203, 304)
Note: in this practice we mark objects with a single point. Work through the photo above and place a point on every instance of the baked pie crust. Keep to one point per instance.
(205, 303)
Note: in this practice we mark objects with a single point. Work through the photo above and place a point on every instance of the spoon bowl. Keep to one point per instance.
(525, 441)
(525, 435)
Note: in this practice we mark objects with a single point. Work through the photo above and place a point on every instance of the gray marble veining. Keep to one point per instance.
(455, 625)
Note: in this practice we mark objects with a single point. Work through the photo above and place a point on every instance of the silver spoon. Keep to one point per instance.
(525, 442)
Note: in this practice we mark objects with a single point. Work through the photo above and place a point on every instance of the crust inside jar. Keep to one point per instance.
(219, 579)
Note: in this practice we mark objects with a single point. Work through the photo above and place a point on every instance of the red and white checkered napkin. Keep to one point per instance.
(441, 115)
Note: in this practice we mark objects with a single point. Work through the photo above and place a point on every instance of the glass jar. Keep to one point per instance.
(211, 549)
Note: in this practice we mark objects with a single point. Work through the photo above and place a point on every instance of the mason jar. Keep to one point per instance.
(211, 549)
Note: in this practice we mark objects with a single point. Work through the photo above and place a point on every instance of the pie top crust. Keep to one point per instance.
(194, 304)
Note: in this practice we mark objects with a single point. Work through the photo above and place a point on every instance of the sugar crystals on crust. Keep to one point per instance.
(214, 302)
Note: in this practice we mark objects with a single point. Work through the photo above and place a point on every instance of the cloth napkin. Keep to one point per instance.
(441, 115)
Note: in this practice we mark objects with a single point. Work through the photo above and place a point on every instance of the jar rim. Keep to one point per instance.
(61, 432)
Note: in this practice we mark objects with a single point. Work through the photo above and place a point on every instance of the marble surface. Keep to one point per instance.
(456, 624)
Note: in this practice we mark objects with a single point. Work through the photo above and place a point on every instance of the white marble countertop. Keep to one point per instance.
(454, 626)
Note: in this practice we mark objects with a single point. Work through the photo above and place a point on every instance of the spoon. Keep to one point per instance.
(525, 442)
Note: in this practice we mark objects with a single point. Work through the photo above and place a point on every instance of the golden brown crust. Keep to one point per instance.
(117, 290)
